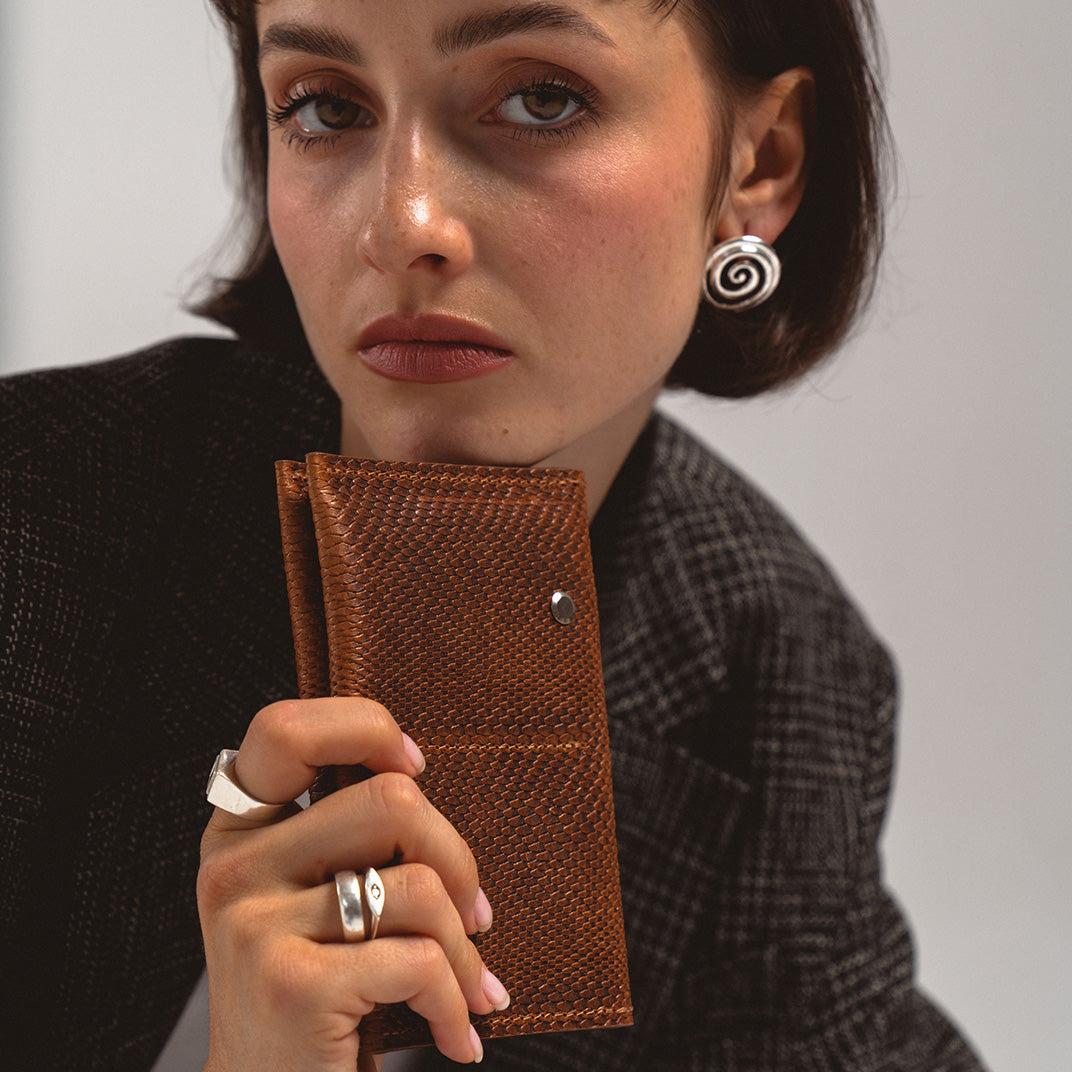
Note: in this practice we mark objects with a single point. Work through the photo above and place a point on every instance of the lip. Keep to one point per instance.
(431, 349)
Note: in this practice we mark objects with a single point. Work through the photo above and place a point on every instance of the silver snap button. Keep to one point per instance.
(563, 608)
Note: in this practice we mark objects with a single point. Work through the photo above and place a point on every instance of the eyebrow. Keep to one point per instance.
(482, 28)
(315, 40)
(472, 31)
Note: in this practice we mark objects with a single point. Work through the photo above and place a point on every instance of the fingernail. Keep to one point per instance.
(482, 911)
(478, 1049)
(413, 753)
(494, 991)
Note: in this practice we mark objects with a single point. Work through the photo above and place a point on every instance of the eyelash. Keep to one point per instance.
(579, 92)
(282, 112)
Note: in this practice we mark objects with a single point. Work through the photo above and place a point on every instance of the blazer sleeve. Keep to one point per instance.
(803, 960)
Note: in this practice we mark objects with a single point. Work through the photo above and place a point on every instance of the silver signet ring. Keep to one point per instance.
(225, 793)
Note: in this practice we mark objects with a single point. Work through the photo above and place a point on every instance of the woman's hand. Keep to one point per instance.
(285, 991)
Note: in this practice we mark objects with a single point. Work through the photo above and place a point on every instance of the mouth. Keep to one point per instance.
(431, 349)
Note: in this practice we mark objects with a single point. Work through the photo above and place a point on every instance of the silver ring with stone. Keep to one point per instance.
(374, 900)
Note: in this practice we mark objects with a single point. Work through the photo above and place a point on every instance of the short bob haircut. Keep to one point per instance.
(829, 251)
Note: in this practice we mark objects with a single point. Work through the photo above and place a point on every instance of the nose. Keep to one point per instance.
(416, 199)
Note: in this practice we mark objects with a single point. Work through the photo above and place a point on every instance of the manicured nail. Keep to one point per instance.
(413, 753)
(494, 991)
(482, 912)
(478, 1049)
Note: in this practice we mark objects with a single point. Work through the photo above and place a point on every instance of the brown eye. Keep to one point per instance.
(326, 115)
(336, 113)
(546, 104)
(541, 104)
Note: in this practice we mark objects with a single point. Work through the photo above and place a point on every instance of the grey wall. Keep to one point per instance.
(930, 462)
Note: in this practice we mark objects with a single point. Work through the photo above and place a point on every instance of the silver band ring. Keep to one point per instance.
(225, 793)
(374, 898)
(351, 906)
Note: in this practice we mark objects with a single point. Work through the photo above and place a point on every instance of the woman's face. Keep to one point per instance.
(493, 216)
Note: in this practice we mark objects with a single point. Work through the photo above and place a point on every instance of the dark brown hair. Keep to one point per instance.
(829, 251)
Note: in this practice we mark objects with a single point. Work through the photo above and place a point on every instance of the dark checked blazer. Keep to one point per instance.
(143, 621)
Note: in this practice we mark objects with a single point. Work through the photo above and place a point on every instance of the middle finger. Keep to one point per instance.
(385, 818)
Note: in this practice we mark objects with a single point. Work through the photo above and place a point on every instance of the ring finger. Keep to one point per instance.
(415, 903)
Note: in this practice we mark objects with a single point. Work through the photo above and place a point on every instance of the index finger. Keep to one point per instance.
(287, 742)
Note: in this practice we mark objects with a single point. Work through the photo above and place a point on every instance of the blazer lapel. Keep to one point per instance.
(664, 668)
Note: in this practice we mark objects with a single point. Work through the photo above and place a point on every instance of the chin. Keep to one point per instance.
(468, 454)
(456, 446)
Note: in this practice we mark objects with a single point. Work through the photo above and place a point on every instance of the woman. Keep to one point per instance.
(489, 225)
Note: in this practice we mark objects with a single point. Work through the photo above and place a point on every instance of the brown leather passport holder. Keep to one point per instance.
(461, 598)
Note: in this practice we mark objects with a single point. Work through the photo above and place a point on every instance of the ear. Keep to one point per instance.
(769, 157)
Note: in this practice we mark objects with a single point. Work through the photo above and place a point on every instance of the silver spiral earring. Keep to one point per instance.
(741, 273)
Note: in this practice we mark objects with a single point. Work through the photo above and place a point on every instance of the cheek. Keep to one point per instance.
(288, 221)
(284, 204)
(631, 237)
(304, 229)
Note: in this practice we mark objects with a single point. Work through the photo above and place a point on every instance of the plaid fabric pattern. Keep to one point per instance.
(144, 620)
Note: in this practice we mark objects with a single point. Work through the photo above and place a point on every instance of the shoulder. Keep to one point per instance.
(89, 458)
(89, 454)
(69, 430)
(81, 406)
(731, 535)
(700, 526)
(156, 408)
(135, 492)
(146, 371)
(703, 574)
(104, 466)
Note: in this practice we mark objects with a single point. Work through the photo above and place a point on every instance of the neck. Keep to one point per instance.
(599, 453)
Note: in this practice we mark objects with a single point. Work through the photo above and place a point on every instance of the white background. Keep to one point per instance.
(930, 462)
